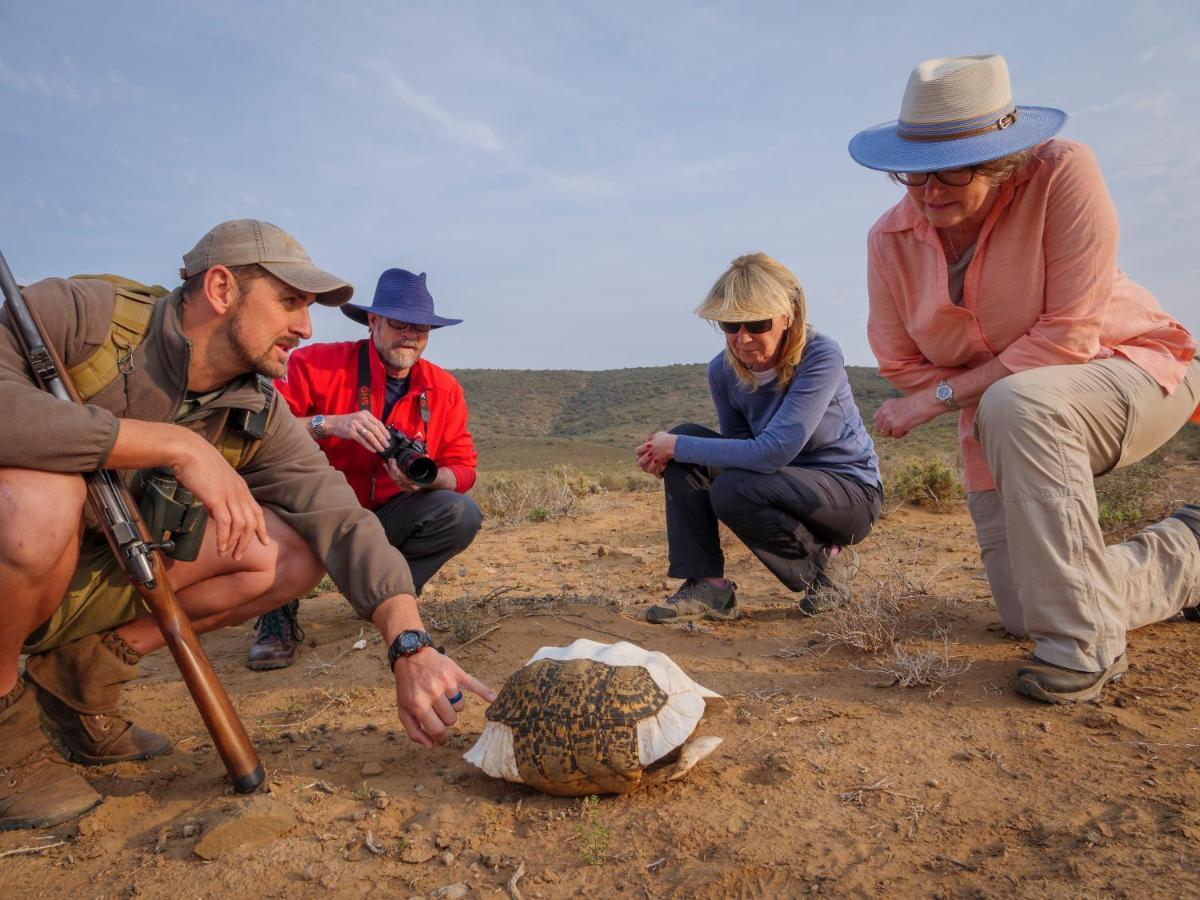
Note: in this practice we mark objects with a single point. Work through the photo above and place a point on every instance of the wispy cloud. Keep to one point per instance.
(476, 134)
(1156, 103)
(49, 86)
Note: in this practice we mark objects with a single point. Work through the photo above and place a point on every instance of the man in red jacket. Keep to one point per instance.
(347, 395)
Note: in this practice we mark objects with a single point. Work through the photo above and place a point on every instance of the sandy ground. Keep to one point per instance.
(831, 780)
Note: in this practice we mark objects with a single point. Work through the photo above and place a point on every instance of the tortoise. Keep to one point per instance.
(594, 718)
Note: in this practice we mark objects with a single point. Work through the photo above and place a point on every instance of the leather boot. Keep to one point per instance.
(37, 788)
(79, 689)
(279, 635)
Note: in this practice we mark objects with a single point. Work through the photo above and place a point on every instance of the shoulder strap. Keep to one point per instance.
(242, 435)
(133, 305)
(364, 375)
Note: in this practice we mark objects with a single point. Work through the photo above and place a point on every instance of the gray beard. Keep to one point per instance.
(398, 358)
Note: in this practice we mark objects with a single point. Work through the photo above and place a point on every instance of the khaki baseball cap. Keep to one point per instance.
(244, 242)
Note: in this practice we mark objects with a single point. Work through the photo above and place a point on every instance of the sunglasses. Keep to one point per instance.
(949, 177)
(404, 326)
(757, 327)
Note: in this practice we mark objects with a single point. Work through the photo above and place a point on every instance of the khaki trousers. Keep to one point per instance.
(1046, 434)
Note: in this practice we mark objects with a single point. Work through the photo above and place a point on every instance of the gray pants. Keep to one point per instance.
(429, 527)
(1046, 434)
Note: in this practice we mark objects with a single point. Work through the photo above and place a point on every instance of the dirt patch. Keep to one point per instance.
(832, 779)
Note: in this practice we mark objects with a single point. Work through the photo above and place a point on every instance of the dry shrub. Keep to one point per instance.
(921, 668)
(930, 483)
(534, 497)
(866, 622)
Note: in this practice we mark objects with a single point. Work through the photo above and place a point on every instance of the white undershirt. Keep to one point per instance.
(761, 378)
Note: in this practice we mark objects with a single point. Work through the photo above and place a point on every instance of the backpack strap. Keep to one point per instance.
(243, 431)
(133, 305)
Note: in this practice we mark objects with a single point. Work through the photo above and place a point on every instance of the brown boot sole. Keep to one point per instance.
(1031, 687)
(266, 665)
(17, 822)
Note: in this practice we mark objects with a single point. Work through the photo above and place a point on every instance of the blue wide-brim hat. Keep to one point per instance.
(957, 111)
(402, 296)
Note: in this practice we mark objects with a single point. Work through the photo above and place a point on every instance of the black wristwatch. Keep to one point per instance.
(406, 644)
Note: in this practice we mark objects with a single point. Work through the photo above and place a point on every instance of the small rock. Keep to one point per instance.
(382, 802)
(417, 788)
(603, 551)
(1045, 726)
(1150, 782)
(455, 891)
(932, 782)
(261, 820)
(447, 858)
(1091, 836)
(189, 829)
(372, 768)
(318, 763)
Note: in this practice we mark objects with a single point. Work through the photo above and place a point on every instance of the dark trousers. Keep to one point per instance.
(787, 518)
(429, 527)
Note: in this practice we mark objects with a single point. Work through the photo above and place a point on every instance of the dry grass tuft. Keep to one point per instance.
(908, 668)
(510, 500)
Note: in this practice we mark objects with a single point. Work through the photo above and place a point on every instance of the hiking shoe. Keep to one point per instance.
(79, 692)
(696, 599)
(1054, 684)
(823, 594)
(37, 788)
(279, 634)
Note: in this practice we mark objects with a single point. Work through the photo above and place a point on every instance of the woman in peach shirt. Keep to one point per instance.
(994, 292)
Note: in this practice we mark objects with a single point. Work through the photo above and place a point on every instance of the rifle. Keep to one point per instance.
(113, 507)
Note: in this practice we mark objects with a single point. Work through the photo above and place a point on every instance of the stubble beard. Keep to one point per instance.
(259, 363)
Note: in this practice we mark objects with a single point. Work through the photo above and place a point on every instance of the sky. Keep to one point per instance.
(572, 176)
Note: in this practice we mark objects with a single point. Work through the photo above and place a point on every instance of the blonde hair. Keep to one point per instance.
(997, 171)
(754, 287)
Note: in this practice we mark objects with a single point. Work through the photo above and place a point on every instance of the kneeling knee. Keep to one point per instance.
(728, 496)
(40, 515)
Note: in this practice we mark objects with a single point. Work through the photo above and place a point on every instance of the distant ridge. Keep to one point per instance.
(533, 417)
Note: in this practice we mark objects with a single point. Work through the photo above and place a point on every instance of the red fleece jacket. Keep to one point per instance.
(322, 379)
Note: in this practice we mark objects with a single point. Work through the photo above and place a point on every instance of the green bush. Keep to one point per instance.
(930, 483)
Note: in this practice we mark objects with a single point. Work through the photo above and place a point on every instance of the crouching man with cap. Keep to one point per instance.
(348, 395)
(191, 397)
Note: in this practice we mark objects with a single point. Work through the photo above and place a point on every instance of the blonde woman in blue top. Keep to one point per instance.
(792, 471)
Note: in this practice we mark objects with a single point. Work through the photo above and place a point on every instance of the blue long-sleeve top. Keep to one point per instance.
(813, 423)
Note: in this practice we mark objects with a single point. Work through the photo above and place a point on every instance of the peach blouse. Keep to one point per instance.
(1043, 289)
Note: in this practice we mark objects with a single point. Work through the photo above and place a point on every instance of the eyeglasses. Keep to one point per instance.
(949, 177)
(405, 326)
(758, 327)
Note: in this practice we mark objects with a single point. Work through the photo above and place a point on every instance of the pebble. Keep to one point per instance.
(447, 858)
(932, 782)
(417, 788)
(318, 763)
(372, 768)
(455, 891)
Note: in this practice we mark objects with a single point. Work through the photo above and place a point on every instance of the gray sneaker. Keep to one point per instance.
(696, 599)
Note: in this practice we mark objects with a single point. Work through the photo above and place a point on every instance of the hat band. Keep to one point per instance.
(912, 132)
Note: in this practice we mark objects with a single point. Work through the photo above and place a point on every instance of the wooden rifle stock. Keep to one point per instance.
(113, 507)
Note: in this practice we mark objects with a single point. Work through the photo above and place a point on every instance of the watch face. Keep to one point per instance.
(944, 392)
(410, 642)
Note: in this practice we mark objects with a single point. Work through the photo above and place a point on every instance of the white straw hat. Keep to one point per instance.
(957, 111)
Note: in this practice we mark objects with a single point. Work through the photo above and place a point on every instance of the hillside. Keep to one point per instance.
(529, 419)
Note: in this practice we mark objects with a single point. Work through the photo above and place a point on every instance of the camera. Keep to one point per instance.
(410, 457)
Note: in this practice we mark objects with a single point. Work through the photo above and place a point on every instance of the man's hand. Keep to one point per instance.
(199, 467)
(900, 415)
(360, 427)
(425, 682)
(234, 511)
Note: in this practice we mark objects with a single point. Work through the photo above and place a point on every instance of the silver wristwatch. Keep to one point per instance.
(317, 423)
(945, 393)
